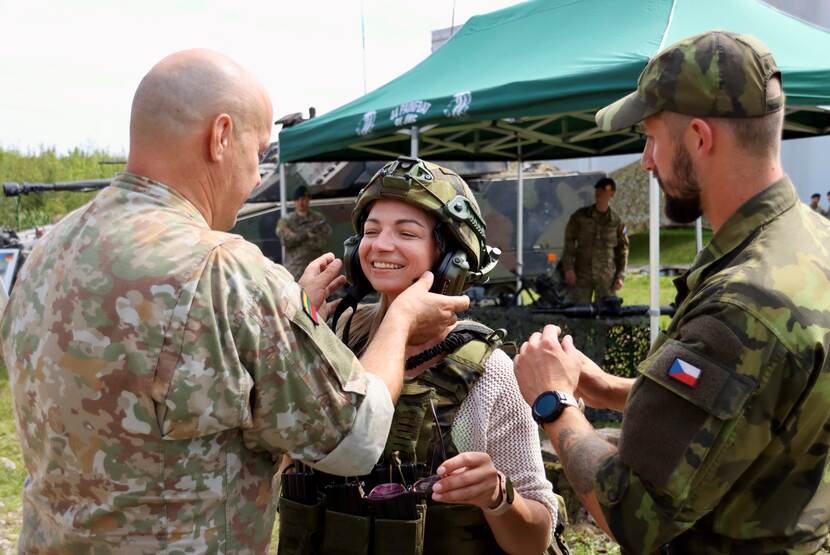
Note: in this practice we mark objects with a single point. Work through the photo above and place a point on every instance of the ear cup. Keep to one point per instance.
(451, 273)
(351, 264)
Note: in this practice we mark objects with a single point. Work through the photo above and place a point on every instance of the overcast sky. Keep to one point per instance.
(68, 70)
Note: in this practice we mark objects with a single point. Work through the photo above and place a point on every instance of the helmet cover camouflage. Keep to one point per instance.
(437, 190)
(716, 74)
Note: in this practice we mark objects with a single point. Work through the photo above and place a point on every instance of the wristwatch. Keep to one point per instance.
(549, 405)
(507, 495)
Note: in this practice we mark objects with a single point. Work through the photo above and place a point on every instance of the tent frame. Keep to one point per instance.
(512, 137)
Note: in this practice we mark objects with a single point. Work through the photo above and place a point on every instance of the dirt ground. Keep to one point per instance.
(10, 522)
(582, 538)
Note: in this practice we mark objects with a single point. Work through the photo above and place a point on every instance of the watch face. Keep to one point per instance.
(546, 406)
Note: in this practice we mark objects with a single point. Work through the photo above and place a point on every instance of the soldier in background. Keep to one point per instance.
(160, 367)
(303, 233)
(596, 248)
(725, 440)
(815, 198)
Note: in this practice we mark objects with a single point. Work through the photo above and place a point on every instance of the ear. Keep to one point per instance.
(700, 138)
(220, 135)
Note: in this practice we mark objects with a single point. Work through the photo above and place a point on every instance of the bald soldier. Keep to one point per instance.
(160, 366)
(725, 442)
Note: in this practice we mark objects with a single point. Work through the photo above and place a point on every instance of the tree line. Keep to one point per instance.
(47, 166)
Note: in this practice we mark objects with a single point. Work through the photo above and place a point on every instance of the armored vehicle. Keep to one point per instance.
(549, 199)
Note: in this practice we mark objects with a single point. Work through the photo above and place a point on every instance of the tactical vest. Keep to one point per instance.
(338, 519)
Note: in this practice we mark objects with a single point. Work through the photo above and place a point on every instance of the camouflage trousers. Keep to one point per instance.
(590, 291)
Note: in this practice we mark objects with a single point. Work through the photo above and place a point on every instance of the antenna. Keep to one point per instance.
(363, 43)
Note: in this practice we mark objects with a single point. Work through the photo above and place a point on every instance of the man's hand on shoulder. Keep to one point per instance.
(320, 279)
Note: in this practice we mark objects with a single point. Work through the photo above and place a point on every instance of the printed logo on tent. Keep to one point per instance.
(684, 372)
(459, 104)
(367, 123)
(408, 112)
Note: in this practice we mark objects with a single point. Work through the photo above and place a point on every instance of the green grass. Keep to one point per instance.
(636, 289)
(677, 246)
(584, 539)
(11, 481)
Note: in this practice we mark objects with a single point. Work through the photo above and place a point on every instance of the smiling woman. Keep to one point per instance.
(398, 245)
(461, 437)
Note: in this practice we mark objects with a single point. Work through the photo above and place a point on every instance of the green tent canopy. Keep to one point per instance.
(525, 81)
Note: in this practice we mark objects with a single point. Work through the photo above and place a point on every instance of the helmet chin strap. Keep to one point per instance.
(352, 298)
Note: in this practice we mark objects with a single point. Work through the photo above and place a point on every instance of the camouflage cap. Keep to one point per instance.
(715, 74)
(437, 190)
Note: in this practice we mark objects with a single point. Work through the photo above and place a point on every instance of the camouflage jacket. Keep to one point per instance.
(159, 369)
(304, 238)
(725, 437)
(596, 245)
(822, 211)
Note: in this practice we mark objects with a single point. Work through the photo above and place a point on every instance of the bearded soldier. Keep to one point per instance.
(726, 432)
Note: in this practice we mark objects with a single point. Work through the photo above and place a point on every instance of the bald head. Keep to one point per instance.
(184, 91)
(199, 123)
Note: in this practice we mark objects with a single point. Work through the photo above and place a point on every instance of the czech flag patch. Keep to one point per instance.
(308, 308)
(685, 372)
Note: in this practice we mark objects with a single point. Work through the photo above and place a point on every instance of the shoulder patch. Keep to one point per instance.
(684, 372)
(308, 307)
(698, 379)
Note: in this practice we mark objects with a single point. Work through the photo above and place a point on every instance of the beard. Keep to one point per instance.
(683, 207)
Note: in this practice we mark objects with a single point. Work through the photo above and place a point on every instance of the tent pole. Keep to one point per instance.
(520, 225)
(413, 144)
(654, 255)
(283, 204)
(699, 234)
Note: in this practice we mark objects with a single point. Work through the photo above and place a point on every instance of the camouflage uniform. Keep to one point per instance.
(726, 434)
(596, 248)
(822, 211)
(738, 462)
(159, 370)
(309, 236)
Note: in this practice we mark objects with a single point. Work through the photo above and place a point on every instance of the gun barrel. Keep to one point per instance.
(592, 311)
(17, 189)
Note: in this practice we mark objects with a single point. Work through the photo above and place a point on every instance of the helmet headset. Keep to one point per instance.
(465, 259)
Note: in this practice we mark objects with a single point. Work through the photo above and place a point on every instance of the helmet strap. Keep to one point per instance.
(352, 298)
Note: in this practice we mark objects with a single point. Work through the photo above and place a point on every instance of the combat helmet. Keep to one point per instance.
(441, 192)
(438, 191)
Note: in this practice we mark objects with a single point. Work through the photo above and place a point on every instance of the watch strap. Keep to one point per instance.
(563, 400)
(567, 399)
(506, 501)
